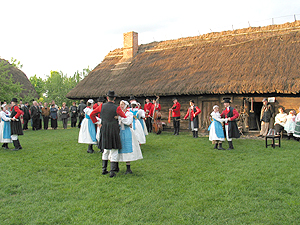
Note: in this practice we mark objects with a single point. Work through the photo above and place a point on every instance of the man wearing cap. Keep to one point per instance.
(192, 113)
(265, 117)
(176, 115)
(15, 124)
(231, 129)
(110, 132)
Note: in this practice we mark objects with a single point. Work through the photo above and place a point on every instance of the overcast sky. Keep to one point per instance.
(67, 36)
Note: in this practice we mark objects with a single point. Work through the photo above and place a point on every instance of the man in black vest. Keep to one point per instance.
(231, 129)
(15, 124)
(110, 133)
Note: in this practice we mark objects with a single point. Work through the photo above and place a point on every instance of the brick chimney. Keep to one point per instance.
(130, 44)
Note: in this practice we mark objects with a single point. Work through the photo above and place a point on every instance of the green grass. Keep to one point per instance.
(181, 180)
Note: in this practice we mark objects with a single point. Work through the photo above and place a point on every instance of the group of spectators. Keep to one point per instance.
(289, 123)
(39, 114)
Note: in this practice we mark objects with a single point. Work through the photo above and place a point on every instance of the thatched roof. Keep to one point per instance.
(19, 76)
(252, 60)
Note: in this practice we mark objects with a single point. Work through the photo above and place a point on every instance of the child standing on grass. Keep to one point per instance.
(87, 133)
(290, 124)
(216, 132)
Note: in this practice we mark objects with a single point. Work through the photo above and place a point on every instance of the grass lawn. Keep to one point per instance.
(181, 180)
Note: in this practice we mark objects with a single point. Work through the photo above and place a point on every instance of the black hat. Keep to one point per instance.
(111, 94)
(14, 100)
(192, 101)
(101, 99)
(132, 98)
(226, 100)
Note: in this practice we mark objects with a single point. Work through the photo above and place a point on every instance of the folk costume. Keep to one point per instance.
(15, 124)
(297, 126)
(130, 150)
(5, 130)
(142, 120)
(192, 113)
(290, 124)
(109, 133)
(231, 129)
(176, 116)
(87, 133)
(136, 125)
(216, 132)
(147, 109)
(280, 120)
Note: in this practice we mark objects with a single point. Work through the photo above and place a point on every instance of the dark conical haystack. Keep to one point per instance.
(19, 76)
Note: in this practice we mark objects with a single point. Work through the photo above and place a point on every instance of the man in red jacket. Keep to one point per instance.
(15, 124)
(147, 109)
(231, 129)
(176, 115)
(192, 113)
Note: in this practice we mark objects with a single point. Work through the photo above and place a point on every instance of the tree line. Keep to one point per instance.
(54, 87)
(57, 85)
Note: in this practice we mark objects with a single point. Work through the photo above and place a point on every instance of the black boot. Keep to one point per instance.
(104, 167)
(6, 146)
(216, 146)
(288, 137)
(128, 169)
(220, 147)
(230, 145)
(17, 145)
(196, 134)
(90, 149)
(193, 134)
(118, 169)
(113, 169)
(3, 146)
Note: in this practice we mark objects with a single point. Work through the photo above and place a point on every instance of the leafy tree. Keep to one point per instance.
(8, 89)
(78, 76)
(16, 63)
(57, 86)
(38, 84)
